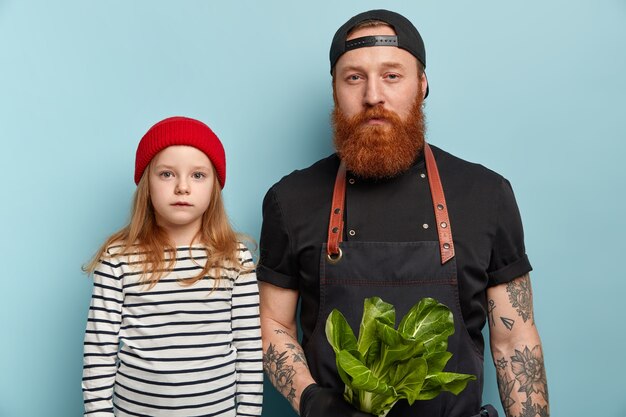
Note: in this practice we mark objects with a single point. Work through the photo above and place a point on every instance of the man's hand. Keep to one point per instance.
(324, 402)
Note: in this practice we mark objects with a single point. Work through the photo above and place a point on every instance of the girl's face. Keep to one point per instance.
(181, 182)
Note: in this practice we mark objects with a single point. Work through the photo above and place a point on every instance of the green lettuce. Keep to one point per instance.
(386, 364)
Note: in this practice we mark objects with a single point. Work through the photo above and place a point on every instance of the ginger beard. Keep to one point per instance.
(379, 151)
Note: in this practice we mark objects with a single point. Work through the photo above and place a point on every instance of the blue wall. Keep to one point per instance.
(535, 90)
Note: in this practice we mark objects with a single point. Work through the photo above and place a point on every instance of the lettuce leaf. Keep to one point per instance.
(386, 364)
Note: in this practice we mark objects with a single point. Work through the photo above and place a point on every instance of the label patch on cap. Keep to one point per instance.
(366, 41)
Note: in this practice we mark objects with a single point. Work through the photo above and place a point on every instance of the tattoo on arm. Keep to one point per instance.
(297, 354)
(280, 374)
(527, 365)
(529, 409)
(505, 385)
(281, 331)
(508, 323)
(521, 297)
(279, 365)
(526, 372)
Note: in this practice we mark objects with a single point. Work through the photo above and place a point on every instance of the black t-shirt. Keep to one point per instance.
(484, 220)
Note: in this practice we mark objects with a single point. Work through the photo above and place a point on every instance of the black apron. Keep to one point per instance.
(401, 273)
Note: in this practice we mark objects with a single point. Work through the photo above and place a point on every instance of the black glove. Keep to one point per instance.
(488, 411)
(316, 401)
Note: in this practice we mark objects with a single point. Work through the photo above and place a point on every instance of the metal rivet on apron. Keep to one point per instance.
(337, 210)
(444, 224)
(425, 225)
(423, 175)
(335, 229)
(446, 246)
(439, 206)
(352, 232)
(351, 181)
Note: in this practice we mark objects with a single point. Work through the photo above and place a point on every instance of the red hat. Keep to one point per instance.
(180, 131)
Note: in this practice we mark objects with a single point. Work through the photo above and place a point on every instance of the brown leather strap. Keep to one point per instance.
(446, 245)
(335, 226)
(444, 231)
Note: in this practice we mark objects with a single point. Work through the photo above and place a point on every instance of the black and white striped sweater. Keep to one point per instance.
(173, 350)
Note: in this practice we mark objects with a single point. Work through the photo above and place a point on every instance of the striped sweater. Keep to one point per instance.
(173, 350)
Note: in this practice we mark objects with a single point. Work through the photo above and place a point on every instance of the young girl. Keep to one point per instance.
(173, 326)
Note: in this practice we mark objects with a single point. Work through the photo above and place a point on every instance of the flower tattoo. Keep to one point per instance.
(520, 296)
(529, 371)
(280, 374)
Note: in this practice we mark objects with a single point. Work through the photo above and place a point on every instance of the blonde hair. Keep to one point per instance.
(143, 237)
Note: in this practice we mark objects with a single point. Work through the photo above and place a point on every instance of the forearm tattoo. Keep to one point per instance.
(508, 323)
(297, 354)
(286, 333)
(522, 383)
(278, 369)
(521, 297)
(279, 372)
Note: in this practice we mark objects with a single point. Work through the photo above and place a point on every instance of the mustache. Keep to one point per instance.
(375, 112)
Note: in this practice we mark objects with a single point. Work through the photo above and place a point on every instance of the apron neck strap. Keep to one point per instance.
(335, 225)
(446, 245)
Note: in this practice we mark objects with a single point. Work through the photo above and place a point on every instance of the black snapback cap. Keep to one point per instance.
(407, 37)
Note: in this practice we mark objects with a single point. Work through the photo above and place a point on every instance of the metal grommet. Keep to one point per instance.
(425, 225)
(439, 206)
(335, 229)
(444, 224)
(351, 181)
(337, 210)
(333, 259)
(423, 175)
(446, 246)
(352, 232)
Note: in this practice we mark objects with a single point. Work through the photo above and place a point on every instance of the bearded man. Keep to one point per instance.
(390, 216)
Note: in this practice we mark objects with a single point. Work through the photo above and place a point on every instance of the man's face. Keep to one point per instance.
(377, 75)
(378, 119)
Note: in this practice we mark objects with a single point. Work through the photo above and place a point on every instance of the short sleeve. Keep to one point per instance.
(508, 254)
(276, 263)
